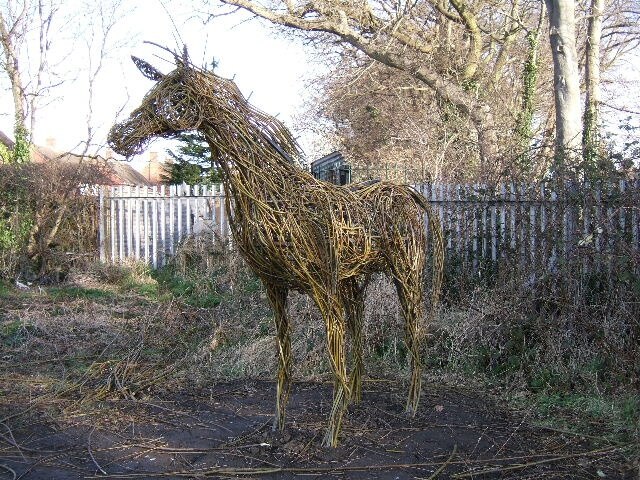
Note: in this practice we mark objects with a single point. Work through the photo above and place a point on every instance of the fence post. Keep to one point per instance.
(179, 197)
(586, 224)
(137, 232)
(494, 227)
(112, 223)
(145, 213)
(503, 218)
(129, 226)
(474, 233)
(635, 206)
(154, 226)
(532, 224)
(214, 205)
(120, 223)
(163, 227)
(623, 223)
(188, 209)
(223, 215)
(484, 205)
(172, 218)
(102, 226)
(543, 226)
(449, 229)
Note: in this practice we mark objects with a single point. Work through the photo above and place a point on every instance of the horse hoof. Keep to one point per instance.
(410, 412)
(328, 442)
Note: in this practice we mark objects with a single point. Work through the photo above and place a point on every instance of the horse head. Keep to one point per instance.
(169, 108)
(189, 98)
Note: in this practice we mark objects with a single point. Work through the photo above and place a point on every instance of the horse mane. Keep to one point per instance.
(261, 133)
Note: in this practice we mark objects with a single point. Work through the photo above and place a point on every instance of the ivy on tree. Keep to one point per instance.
(192, 162)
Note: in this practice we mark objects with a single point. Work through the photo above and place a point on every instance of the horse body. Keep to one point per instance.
(295, 231)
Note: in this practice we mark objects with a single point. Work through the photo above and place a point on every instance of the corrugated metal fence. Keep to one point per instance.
(535, 226)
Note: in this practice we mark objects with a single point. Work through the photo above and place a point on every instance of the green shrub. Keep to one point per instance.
(47, 221)
(73, 293)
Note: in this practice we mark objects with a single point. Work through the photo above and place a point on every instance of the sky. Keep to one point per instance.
(274, 71)
(270, 69)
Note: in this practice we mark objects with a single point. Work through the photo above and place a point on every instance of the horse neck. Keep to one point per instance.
(260, 175)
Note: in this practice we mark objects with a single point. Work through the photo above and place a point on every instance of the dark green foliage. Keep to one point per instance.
(21, 150)
(45, 218)
(193, 275)
(192, 162)
(17, 212)
(197, 292)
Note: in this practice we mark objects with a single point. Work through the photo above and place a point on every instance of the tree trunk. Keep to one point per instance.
(593, 96)
(8, 39)
(524, 121)
(562, 37)
(13, 72)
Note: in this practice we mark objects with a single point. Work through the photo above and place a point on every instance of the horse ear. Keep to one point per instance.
(185, 55)
(182, 60)
(147, 70)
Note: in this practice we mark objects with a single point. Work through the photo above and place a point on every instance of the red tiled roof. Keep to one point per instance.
(117, 172)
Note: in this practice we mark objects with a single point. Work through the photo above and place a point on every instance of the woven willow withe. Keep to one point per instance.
(294, 231)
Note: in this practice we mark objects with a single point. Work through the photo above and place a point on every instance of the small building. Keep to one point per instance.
(332, 168)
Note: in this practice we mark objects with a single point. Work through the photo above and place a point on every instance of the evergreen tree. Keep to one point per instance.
(192, 162)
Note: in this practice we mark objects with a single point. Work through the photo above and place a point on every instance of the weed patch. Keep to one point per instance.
(5, 289)
(16, 333)
(614, 419)
(74, 293)
(197, 292)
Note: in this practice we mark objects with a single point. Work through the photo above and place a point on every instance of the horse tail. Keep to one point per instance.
(438, 248)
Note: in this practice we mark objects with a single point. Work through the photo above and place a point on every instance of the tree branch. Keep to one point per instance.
(337, 23)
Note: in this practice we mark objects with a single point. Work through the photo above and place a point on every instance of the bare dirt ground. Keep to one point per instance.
(96, 385)
(225, 431)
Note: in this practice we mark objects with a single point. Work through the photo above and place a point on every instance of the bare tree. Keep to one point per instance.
(400, 35)
(99, 42)
(20, 22)
(465, 70)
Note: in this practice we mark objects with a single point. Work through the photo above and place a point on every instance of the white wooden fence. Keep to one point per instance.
(147, 223)
(532, 226)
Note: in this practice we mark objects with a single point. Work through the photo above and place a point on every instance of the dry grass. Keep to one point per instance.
(114, 332)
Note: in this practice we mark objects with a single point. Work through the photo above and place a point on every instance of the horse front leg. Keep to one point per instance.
(354, 305)
(333, 313)
(278, 300)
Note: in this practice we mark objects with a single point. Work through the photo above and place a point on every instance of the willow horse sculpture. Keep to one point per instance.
(294, 231)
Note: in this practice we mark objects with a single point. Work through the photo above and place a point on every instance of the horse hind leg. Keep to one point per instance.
(278, 300)
(408, 283)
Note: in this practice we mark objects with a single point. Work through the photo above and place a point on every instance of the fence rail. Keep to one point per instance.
(534, 226)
